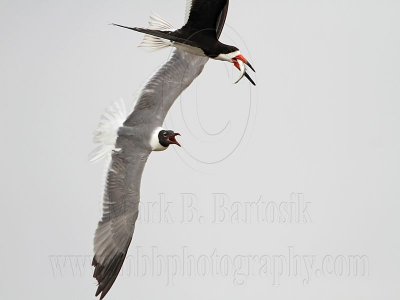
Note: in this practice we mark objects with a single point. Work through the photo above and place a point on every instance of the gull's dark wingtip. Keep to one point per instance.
(107, 273)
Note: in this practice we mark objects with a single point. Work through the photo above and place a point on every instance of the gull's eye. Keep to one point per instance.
(165, 133)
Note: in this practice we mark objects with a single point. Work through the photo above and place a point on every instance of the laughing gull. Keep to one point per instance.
(129, 146)
(198, 36)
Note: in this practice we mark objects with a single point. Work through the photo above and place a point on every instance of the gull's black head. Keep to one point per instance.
(167, 137)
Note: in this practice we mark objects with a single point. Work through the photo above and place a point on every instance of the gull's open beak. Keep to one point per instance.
(173, 140)
(239, 63)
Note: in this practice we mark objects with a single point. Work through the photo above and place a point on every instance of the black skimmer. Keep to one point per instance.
(198, 36)
(127, 142)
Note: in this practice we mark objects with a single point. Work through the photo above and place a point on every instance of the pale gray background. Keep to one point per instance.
(323, 122)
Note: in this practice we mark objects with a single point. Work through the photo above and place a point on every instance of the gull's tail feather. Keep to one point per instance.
(106, 132)
(155, 43)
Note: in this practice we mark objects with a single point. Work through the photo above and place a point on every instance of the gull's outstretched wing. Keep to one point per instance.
(164, 87)
(120, 211)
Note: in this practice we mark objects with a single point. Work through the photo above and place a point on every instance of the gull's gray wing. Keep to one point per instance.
(120, 211)
(164, 87)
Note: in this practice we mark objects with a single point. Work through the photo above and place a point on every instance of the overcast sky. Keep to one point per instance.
(286, 190)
